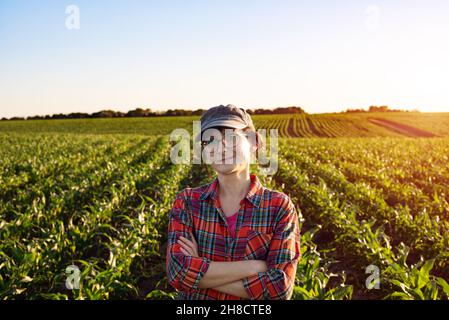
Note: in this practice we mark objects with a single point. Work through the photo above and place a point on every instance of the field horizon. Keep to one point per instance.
(325, 125)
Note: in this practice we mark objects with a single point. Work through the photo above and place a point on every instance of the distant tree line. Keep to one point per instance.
(280, 110)
(140, 112)
(377, 109)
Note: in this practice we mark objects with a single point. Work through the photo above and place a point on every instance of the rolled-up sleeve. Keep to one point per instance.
(282, 260)
(183, 272)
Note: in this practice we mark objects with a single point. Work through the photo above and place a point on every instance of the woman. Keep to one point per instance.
(232, 238)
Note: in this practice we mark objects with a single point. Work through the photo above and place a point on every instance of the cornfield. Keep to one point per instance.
(95, 194)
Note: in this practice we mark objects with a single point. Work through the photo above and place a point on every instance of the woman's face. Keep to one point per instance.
(228, 150)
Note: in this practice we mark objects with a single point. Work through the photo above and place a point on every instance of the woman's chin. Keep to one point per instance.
(225, 168)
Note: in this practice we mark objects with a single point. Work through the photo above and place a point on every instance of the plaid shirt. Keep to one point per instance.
(267, 229)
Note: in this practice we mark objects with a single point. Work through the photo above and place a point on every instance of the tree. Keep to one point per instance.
(198, 112)
(139, 112)
(104, 114)
(78, 115)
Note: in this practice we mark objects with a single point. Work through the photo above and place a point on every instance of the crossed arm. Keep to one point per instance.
(224, 276)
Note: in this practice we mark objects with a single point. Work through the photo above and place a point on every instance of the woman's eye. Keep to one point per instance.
(209, 142)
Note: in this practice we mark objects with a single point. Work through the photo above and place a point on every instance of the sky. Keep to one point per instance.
(325, 56)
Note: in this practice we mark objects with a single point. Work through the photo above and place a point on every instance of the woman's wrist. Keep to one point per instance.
(257, 266)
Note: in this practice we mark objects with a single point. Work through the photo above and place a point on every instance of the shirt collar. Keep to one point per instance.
(253, 195)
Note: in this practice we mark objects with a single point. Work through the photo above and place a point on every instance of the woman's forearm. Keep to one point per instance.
(235, 288)
(220, 273)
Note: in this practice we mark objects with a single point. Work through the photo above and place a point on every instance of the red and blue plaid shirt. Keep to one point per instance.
(267, 228)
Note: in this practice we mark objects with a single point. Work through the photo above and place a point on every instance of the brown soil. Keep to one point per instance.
(401, 128)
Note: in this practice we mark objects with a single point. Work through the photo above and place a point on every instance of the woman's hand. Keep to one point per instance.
(188, 247)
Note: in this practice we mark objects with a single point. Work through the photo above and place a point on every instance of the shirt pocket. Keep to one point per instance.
(257, 245)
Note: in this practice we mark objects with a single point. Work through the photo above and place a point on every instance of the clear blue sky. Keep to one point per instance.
(322, 55)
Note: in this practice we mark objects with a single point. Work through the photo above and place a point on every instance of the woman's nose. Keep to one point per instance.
(227, 142)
